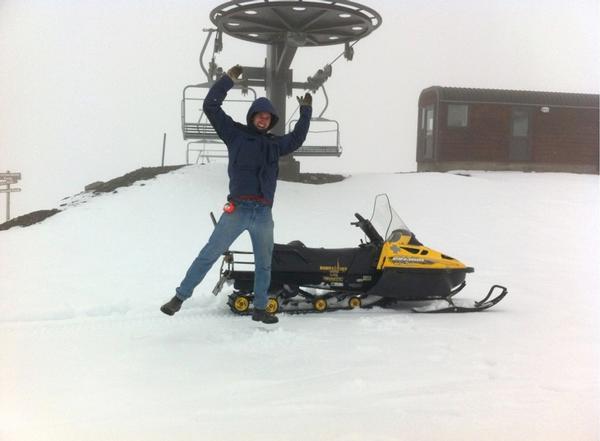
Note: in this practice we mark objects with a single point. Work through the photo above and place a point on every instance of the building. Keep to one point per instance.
(489, 129)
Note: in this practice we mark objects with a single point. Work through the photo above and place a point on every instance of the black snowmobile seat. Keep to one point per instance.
(296, 257)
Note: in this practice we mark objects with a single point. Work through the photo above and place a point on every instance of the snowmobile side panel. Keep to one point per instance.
(244, 280)
(304, 259)
(353, 269)
(413, 284)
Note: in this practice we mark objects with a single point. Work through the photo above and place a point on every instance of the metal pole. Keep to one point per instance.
(8, 202)
(279, 59)
(276, 85)
(163, 151)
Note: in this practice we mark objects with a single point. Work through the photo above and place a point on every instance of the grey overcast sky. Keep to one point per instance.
(88, 87)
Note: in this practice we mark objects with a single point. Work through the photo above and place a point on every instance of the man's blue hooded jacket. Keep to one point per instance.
(253, 155)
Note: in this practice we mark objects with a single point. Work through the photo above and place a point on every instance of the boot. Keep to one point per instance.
(260, 315)
(172, 306)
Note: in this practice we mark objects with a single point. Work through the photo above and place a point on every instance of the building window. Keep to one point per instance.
(427, 120)
(458, 115)
(520, 122)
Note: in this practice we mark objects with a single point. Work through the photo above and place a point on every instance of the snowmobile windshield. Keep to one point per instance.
(385, 219)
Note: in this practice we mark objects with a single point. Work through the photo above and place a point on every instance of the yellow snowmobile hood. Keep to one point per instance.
(402, 254)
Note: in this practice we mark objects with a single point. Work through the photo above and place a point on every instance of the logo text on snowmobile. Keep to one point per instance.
(334, 272)
(334, 268)
(402, 259)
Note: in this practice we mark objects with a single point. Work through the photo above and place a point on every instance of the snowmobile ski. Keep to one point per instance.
(464, 305)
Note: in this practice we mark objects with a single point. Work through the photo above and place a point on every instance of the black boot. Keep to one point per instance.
(260, 315)
(172, 306)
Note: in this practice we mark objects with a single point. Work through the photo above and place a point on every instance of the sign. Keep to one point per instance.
(7, 179)
(9, 175)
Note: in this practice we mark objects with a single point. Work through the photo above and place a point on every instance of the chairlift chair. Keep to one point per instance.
(320, 148)
(196, 127)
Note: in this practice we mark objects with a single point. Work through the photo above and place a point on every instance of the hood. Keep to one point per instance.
(262, 104)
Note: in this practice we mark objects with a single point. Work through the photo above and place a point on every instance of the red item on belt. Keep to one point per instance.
(229, 207)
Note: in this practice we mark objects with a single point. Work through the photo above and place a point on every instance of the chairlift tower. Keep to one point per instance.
(285, 26)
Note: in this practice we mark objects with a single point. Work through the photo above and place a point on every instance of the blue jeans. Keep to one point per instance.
(248, 215)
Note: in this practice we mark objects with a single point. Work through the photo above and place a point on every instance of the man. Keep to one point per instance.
(253, 169)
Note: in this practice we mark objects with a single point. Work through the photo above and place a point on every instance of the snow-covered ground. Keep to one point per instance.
(86, 354)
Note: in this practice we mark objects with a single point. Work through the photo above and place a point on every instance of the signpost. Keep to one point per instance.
(7, 179)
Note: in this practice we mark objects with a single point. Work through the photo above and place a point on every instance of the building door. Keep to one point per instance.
(427, 132)
(520, 140)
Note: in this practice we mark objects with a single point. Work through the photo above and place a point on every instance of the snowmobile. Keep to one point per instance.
(383, 270)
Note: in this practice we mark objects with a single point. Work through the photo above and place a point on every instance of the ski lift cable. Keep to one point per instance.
(344, 51)
(323, 87)
(322, 111)
(210, 31)
(292, 115)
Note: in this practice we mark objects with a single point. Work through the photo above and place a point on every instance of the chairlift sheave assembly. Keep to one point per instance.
(284, 27)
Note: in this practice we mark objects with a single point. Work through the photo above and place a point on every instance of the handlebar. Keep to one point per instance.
(367, 227)
(360, 220)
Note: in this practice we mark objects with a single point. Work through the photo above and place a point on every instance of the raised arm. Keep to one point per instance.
(221, 122)
(293, 140)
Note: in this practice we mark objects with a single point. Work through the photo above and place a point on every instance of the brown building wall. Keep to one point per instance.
(486, 137)
(562, 139)
(565, 135)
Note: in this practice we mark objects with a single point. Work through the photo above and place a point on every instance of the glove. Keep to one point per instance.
(306, 100)
(235, 72)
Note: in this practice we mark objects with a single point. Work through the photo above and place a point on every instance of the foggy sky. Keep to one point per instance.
(88, 87)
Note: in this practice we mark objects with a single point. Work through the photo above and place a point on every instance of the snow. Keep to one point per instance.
(86, 354)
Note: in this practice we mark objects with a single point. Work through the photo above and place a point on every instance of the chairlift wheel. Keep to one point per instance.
(354, 302)
(320, 304)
